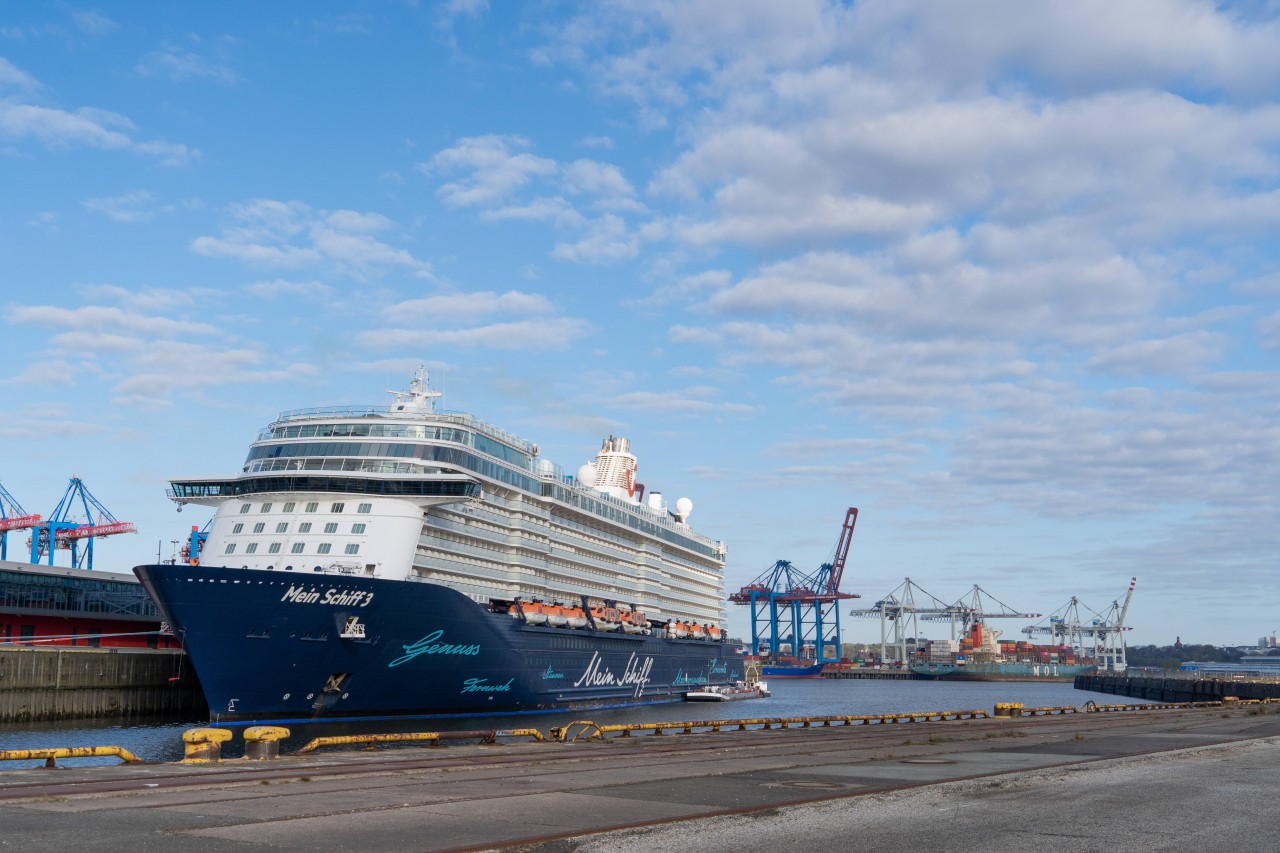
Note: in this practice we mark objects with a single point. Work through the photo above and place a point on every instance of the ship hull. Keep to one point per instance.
(270, 646)
(788, 671)
(1006, 671)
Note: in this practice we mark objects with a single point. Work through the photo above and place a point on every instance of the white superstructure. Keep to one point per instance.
(405, 492)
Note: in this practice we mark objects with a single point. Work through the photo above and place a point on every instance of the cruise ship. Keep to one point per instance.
(397, 560)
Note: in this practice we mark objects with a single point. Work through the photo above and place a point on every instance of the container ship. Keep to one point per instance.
(397, 560)
(982, 656)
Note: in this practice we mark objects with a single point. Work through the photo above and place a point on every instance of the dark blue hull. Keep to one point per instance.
(791, 671)
(282, 646)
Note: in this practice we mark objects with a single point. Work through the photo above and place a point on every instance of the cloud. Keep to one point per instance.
(469, 306)
(97, 318)
(294, 235)
(135, 206)
(498, 167)
(554, 333)
(88, 127)
(607, 240)
(174, 63)
(697, 400)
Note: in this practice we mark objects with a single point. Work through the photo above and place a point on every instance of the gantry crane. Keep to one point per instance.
(800, 608)
(1100, 637)
(12, 517)
(901, 610)
(60, 531)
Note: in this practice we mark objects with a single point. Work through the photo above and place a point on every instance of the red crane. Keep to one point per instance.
(12, 517)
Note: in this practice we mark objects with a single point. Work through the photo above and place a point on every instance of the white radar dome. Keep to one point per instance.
(546, 467)
(587, 475)
(684, 506)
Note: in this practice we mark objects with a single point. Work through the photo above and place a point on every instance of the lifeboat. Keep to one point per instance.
(606, 618)
(634, 622)
(555, 615)
(534, 613)
(575, 617)
(714, 632)
(697, 632)
(677, 629)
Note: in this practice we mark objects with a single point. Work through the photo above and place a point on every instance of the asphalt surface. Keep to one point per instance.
(1168, 780)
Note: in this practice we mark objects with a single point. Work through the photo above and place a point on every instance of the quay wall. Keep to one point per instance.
(70, 684)
(1172, 689)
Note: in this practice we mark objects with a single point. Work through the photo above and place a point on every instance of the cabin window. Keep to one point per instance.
(237, 527)
(244, 508)
(313, 506)
(231, 549)
(289, 507)
(265, 508)
(251, 548)
(282, 527)
(331, 527)
(324, 548)
(338, 507)
(297, 548)
(365, 508)
(357, 528)
(258, 528)
(353, 548)
(273, 548)
(304, 527)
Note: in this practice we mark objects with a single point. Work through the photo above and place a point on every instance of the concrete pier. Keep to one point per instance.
(1161, 779)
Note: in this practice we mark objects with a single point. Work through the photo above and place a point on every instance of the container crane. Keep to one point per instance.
(1100, 637)
(12, 517)
(60, 531)
(790, 605)
(903, 609)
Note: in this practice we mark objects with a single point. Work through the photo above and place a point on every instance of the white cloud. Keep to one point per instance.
(293, 235)
(553, 333)
(135, 206)
(454, 307)
(496, 169)
(176, 64)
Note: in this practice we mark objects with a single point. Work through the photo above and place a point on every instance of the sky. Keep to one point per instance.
(1004, 276)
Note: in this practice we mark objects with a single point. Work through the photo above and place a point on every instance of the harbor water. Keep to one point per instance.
(161, 740)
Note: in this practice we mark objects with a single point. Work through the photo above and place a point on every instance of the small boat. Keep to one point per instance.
(750, 687)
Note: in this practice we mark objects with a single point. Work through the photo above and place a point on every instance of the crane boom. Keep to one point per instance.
(1124, 611)
(842, 551)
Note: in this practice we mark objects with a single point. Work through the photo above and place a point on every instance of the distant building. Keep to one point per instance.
(1248, 665)
(1268, 642)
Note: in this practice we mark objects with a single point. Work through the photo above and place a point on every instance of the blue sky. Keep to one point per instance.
(1002, 275)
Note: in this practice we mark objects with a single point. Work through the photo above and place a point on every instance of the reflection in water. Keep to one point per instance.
(161, 740)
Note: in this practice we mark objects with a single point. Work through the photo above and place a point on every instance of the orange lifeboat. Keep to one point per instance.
(634, 622)
(697, 632)
(714, 632)
(575, 617)
(555, 615)
(534, 613)
(606, 618)
(677, 629)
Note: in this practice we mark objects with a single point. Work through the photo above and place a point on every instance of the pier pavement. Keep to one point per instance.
(1168, 780)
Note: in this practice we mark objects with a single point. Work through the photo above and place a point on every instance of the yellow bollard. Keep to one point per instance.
(204, 744)
(262, 743)
(1008, 709)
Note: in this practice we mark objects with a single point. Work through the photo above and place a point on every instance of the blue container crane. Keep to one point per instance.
(788, 605)
(59, 531)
